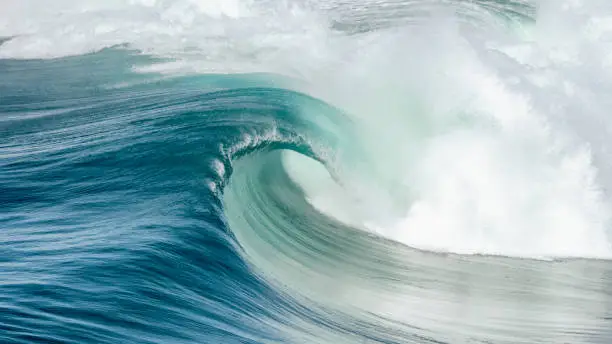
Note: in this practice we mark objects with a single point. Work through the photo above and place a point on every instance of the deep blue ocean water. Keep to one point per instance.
(111, 231)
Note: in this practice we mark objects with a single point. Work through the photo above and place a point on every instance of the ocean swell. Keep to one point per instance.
(305, 172)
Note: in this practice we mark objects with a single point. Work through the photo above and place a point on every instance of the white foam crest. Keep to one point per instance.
(222, 35)
(489, 142)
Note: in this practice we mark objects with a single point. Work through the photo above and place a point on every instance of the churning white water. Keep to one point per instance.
(484, 125)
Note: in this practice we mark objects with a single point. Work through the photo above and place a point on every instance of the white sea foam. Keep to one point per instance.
(480, 139)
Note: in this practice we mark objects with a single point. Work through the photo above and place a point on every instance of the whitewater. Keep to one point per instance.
(305, 171)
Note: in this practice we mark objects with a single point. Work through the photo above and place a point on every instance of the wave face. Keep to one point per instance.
(266, 171)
